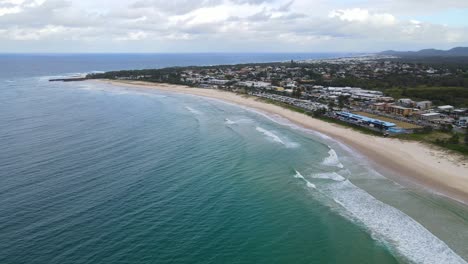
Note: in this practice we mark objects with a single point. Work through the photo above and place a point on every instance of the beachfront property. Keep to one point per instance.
(371, 123)
(300, 103)
(297, 84)
(391, 108)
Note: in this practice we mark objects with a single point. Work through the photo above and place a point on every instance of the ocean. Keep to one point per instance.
(96, 173)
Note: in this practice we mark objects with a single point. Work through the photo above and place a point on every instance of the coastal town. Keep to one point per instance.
(313, 87)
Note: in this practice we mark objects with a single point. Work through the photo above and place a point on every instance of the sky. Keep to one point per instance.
(231, 25)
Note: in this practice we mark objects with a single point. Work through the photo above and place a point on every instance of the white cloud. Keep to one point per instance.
(362, 15)
(224, 25)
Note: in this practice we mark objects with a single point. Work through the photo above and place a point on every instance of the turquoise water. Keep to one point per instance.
(92, 173)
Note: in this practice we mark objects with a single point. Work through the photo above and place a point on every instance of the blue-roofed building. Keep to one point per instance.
(372, 122)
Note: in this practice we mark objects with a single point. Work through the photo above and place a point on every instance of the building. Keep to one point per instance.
(431, 116)
(462, 122)
(378, 106)
(406, 102)
(364, 120)
(217, 81)
(386, 99)
(255, 84)
(399, 110)
(445, 108)
(424, 105)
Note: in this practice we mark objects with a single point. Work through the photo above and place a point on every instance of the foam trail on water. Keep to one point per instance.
(308, 183)
(404, 235)
(331, 176)
(193, 111)
(238, 121)
(270, 135)
(229, 122)
(332, 159)
(276, 138)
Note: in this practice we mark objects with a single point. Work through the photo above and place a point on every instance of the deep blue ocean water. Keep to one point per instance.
(94, 173)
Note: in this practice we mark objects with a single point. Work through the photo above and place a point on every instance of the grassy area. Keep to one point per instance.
(399, 123)
(438, 138)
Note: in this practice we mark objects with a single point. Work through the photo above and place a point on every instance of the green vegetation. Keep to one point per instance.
(438, 95)
(447, 140)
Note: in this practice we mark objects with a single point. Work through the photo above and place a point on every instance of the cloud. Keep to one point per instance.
(225, 25)
(363, 15)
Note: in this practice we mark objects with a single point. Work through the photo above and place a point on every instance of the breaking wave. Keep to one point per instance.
(193, 111)
(308, 183)
(332, 159)
(270, 135)
(330, 176)
(402, 234)
(239, 121)
(229, 122)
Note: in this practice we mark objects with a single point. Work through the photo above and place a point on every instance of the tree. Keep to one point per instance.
(342, 100)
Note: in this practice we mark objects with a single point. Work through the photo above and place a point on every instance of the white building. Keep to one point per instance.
(217, 81)
(405, 102)
(255, 84)
(424, 105)
(432, 116)
(445, 108)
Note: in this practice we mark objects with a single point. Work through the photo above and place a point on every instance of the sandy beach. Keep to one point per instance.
(409, 162)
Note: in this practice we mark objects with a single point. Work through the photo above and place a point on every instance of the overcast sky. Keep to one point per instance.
(231, 25)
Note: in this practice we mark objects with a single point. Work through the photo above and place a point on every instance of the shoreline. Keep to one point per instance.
(413, 162)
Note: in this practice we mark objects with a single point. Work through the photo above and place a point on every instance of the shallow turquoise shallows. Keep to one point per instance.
(93, 173)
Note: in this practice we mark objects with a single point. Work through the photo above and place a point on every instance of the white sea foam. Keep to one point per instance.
(331, 176)
(193, 111)
(238, 121)
(272, 136)
(308, 183)
(299, 176)
(401, 233)
(229, 122)
(332, 159)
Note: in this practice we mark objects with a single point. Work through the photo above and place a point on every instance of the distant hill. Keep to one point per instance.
(458, 51)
